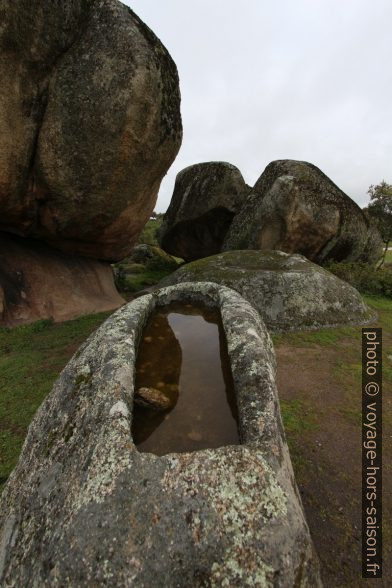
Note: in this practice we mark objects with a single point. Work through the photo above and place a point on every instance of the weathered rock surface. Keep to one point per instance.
(37, 282)
(83, 507)
(289, 292)
(89, 123)
(295, 208)
(206, 197)
(152, 256)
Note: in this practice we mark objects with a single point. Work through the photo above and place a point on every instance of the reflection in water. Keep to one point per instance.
(183, 354)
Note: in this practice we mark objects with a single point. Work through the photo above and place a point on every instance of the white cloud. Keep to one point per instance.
(296, 79)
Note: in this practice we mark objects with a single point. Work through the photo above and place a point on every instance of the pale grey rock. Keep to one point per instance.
(290, 292)
(83, 507)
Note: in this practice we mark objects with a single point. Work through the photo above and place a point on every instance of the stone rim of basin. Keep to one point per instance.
(80, 479)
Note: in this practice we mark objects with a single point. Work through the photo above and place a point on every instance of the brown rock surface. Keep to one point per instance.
(295, 208)
(38, 282)
(153, 398)
(205, 199)
(89, 123)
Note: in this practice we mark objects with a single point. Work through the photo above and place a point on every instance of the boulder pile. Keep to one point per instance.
(293, 207)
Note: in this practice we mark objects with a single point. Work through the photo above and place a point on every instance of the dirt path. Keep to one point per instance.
(320, 388)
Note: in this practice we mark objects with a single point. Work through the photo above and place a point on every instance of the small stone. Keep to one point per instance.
(194, 436)
(152, 398)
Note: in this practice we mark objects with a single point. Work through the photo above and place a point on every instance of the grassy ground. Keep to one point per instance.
(137, 280)
(149, 233)
(319, 383)
(31, 358)
(345, 342)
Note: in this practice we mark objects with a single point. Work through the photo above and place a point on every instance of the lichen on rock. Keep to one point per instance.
(294, 207)
(84, 507)
(89, 124)
(205, 199)
(289, 292)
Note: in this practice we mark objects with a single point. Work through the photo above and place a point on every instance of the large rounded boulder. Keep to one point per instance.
(294, 207)
(289, 292)
(205, 199)
(89, 124)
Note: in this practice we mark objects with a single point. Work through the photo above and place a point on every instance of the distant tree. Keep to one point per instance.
(156, 215)
(380, 208)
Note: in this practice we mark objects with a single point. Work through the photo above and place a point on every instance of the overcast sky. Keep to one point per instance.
(281, 79)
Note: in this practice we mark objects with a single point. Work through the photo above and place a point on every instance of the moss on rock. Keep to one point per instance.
(289, 292)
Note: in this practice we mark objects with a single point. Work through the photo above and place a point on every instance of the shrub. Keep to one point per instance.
(364, 277)
(149, 233)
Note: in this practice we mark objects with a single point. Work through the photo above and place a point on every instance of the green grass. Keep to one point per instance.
(324, 337)
(31, 358)
(348, 367)
(149, 233)
(328, 337)
(133, 282)
(297, 417)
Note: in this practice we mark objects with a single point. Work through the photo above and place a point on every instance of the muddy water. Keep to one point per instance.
(183, 354)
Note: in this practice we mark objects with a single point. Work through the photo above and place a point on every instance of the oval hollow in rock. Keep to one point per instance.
(184, 393)
(108, 514)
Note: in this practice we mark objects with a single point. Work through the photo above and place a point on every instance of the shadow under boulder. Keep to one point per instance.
(200, 237)
(205, 199)
(38, 282)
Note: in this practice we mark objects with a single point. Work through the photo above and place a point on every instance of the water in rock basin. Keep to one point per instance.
(183, 355)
